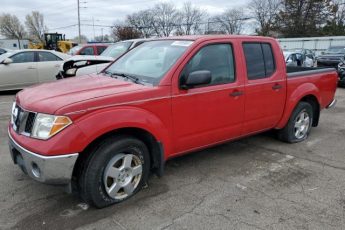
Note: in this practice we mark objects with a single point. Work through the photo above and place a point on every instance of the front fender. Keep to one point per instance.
(100, 122)
(306, 89)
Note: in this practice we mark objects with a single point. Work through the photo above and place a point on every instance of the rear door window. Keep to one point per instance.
(87, 51)
(259, 60)
(45, 56)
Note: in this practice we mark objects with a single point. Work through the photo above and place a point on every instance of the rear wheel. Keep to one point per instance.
(299, 125)
(116, 170)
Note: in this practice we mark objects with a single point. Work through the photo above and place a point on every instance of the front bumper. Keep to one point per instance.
(45, 169)
(332, 104)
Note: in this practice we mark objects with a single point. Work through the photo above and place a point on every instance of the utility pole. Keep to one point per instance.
(79, 34)
(102, 34)
(93, 25)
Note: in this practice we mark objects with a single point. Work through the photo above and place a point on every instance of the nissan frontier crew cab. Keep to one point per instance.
(103, 134)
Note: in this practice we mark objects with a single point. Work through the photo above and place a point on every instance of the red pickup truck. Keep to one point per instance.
(103, 134)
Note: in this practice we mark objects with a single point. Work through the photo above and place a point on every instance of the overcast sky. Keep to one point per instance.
(63, 13)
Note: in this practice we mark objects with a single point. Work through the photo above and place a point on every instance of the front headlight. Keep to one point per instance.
(46, 125)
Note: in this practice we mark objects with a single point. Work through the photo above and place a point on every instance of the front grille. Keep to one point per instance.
(30, 122)
(23, 121)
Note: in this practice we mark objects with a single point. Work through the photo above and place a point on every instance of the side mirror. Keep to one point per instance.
(7, 61)
(201, 77)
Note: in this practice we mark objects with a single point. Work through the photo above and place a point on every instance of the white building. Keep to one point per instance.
(317, 44)
(13, 44)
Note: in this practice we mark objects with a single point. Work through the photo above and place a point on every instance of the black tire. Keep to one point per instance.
(91, 182)
(288, 133)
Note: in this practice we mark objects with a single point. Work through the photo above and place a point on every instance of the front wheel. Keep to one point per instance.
(299, 125)
(116, 170)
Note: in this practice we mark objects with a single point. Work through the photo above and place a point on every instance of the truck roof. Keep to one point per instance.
(211, 37)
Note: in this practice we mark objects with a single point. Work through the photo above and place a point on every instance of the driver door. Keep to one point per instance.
(22, 72)
(209, 114)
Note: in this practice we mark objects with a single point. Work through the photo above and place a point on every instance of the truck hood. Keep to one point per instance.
(50, 97)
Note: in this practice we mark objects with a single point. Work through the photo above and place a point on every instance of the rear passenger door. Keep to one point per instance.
(265, 87)
(48, 66)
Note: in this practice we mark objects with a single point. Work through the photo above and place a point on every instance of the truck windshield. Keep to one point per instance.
(149, 61)
(116, 50)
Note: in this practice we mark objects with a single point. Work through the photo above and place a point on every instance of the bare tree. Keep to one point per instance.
(123, 32)
(231, 21)
(35, 25)
(265, 13)
(190, 19)
(165, 18)
(143, 22)
(11, 28)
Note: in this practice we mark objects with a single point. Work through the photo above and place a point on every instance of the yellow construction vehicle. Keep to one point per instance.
(54, 41)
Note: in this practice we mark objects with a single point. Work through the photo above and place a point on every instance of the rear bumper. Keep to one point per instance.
(49, 170)
(332, 104)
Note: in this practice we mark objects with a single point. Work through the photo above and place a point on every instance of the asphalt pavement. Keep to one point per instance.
(254, 183)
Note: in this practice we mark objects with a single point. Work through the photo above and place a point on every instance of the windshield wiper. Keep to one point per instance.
(131, 77)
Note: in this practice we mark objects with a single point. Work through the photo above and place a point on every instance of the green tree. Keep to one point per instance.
(303, 18)
(336, 23)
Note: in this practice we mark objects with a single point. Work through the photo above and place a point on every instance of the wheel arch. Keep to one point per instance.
(307, 93)
(155, 147)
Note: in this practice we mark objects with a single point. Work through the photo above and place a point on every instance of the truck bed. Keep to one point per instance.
(316, 77)
(297, 71)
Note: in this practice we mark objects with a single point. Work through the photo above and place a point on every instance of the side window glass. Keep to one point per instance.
(259, 60)
(23, 57)
(45, 56)
(218, 59)
(87, 51)
(269, 59)
(254, 60)
(100, 49)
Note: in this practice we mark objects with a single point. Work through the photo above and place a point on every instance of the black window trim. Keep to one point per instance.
(209, 44)
(274, 60)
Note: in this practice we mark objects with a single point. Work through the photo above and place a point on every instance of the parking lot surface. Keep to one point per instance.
(253, 183)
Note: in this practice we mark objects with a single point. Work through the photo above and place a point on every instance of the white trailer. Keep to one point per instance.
(316, 44)
(13, 44)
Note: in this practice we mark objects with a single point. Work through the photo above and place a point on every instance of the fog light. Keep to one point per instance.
(35, 170)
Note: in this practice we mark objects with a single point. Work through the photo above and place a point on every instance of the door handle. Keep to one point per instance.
(31, 67)
(236, 93)
(277, 86)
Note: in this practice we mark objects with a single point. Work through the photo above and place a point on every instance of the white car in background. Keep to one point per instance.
(298, 59)
(86, 64)
(23, 68)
